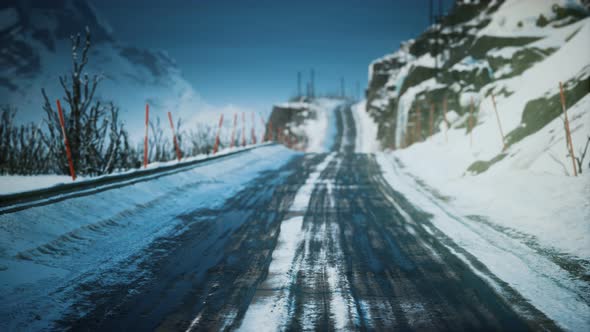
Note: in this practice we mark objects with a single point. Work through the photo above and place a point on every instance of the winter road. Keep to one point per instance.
(323, 243)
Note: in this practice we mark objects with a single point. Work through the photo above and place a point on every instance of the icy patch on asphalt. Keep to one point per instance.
(301, 200)
(273, 307)
(540, 281)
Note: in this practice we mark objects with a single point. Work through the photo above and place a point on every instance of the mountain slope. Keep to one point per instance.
(518, 51)
(36, 51)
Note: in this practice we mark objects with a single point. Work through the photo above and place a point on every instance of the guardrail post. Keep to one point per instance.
(499, 123)
(66, 143)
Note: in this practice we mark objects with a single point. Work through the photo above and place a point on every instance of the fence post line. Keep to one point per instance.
(243, 129)
(568, 134)
(216, 146)
(499, 123)
(471, 123)
(174, 136)
(253, 133)
(233, 131)
(66, 143)
(145, 140)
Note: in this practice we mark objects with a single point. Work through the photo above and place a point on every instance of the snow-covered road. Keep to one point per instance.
(335, 240)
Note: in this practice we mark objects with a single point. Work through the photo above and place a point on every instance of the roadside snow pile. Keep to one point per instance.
(46, 251)
(12, 184)
(366, 138)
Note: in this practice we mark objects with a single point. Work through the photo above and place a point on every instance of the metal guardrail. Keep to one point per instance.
(38, 197)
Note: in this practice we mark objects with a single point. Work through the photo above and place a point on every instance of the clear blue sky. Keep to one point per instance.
(248, 52)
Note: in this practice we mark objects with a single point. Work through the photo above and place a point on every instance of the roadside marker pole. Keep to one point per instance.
(568, 135)
(499, 124)
(145, 140)
(471, 123)
(233, 131)
(178, 155)
(67, 144)
(216, 146)
(243, 129)
(253, 139)
(445, 118)
(431, 119)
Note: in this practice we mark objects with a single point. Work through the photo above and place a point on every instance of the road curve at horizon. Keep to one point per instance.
(323, 243)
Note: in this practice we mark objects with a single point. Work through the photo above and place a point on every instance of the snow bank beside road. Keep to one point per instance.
(366, 138)
(46, 251)
(535, 276)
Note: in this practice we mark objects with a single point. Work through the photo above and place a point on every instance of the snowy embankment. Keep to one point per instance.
(13, 184)
(521, 223)
(46, 251)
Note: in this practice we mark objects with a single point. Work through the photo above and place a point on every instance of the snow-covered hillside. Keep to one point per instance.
(517, 51)
(36, 50)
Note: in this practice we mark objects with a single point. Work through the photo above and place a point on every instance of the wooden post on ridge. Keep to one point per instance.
(568, 134)
(499, 123)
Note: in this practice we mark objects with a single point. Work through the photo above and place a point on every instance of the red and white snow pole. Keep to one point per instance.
(178, 155)
(145, 140)
(243, 129)
(66, 143)
(253, 129)
(216, 146)
(233, 131)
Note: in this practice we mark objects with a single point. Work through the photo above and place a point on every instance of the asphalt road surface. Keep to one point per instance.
(322, 244)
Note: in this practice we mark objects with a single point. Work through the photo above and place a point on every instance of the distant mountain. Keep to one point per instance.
(36, 49)
(516, 50)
